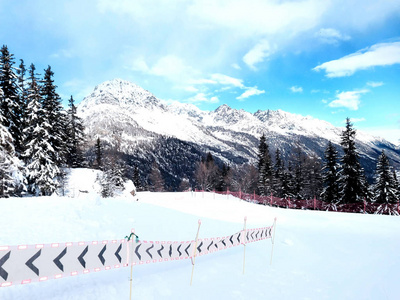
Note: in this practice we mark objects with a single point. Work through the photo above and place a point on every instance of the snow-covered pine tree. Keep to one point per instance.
(330, 175)
(279, 170)
(22, 100)
(264, 167)
(9, 101)
(298, 161)
(352, 188)
(39, 153)
(75, 137)
(312, 177)
(11, 168)
(56, 117)
(384, 189)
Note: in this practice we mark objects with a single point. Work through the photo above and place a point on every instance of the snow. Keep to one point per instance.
(317, 255)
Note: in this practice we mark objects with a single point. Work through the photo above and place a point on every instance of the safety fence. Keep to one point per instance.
(314, 204)
(41, 262)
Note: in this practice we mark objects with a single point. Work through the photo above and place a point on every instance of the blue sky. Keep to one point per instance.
(328, 59)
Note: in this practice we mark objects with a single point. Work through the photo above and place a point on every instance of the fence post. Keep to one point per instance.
(130, 261)
(273, 241)
(195, 248)
(244, 243)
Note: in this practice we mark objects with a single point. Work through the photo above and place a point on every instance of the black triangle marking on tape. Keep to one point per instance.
(137, 253)
(30, 261)
(117, 253)
(230, 239)
(148, 250)
(80, 257)
(223, 242)
(208, 248)
(101, 257)
(257, 234)
(252, 237)
(180, 253)
(170, 250)
(3, 272)
(199, 247)
(238, 238)
(247, 235)
(269, 232)
(159, 251)
(58, 258)
(216, 245)
(186, 250)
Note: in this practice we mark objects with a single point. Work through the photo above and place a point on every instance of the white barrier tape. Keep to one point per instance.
(35, 263)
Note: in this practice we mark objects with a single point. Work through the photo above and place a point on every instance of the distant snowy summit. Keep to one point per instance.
(121, 93)
(122, 106)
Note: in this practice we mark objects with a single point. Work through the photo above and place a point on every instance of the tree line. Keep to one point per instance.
(334, 179)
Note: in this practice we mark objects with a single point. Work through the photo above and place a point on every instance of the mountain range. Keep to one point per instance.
(177, 135)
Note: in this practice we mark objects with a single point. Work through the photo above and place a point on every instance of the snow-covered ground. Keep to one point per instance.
(317, 255)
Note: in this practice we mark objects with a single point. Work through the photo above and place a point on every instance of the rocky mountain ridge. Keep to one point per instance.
(121, 112)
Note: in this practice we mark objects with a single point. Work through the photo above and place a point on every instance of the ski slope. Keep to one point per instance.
(317, 255)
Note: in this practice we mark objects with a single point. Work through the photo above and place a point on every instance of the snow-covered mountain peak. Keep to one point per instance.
(122, 93)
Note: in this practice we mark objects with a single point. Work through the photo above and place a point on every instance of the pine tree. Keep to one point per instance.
(330, 177)
(136, 179)
(56, 117)
(99, 155)
(312, 177)
(41, 168)
(264, 167)
(278, 177)
(9, 100)
(297, 174)
(11, 168)
(385, 189)
(156, 180)
(352, 188)
(75, 137)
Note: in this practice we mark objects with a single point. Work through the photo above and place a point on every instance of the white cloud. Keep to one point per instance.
(202, 97)
(257, 54)
(168, 66)
(331, 36)
(191, 89)
(349, 99)
(236, 66)
(374, 83)
(227, 80)
(384, 54)
(358, 120)
(296, 89)
(252, 91)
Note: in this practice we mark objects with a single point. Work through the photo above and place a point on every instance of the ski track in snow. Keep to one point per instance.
(317, 255)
